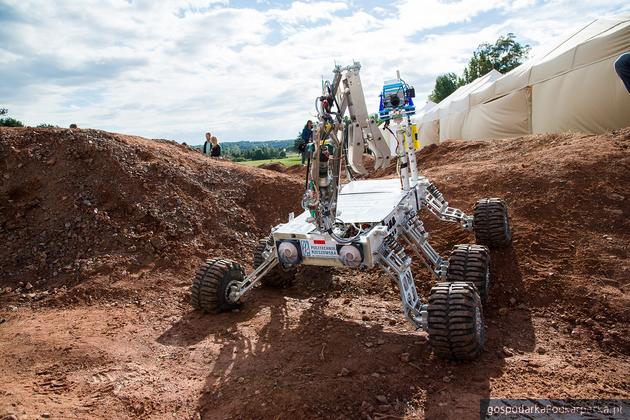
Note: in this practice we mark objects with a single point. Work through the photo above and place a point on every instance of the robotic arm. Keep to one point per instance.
(344, 126)
(362, 130)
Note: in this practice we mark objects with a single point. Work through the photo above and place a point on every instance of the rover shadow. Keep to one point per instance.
(194, 326)
(508, 307)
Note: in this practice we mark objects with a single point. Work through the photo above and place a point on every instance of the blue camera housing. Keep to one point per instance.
(396, 98)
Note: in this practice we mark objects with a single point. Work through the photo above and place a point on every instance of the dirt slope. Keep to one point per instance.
(79, 203)
(95, 321)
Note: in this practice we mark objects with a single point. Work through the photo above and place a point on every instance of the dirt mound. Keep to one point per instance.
(296, 170)
(76, 203)
(279, 167)
(274, 166)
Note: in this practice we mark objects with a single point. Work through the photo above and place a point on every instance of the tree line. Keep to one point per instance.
(255, 153)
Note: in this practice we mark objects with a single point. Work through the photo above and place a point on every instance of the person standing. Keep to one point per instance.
(207, 145)
(215, 150)
(307, 137)
(622, 67)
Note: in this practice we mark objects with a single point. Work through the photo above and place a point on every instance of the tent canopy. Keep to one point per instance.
(599, 40)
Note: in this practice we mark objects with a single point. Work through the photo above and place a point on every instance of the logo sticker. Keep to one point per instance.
(318, 248)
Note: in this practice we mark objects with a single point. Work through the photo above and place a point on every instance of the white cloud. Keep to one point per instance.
(300, 12)
(178, 68)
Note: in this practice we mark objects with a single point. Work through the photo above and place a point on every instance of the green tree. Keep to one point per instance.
(258, 154)
(504, 55)
(297, 142)
(232, 151)
(445, 84)
(9, 122)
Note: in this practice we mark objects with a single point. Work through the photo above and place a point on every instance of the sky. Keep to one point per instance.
(243, 70)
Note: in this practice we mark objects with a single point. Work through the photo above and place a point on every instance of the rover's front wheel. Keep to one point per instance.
(211, 287)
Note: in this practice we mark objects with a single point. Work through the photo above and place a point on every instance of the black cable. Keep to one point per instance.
(308, 168)
(388, 129)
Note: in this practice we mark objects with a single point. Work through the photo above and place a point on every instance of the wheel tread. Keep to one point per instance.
(491, 223)
(470, 263)
(451, 324)
(209, 283)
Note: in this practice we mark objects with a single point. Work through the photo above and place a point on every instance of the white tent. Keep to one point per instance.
(444, 118)
(570, 87)
(424, 108)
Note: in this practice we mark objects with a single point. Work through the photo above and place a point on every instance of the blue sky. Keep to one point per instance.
(243, 70)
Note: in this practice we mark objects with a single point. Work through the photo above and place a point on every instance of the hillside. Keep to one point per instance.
(102, 232)
(76, 203)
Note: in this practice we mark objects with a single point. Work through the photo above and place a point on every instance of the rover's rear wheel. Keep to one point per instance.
(278, 277)
(470, 264)
(211, 286)
(491, 223)
(455, 321)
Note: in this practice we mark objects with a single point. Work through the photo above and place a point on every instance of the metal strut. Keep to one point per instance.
(438, 206)
(398, 264)
(415, 234)
(238, 290)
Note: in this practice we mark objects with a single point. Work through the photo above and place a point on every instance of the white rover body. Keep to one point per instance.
(365, 223)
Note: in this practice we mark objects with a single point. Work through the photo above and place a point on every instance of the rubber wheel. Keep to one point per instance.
(492, 223)
(210, 287)
(278, 277)
(470, 264)
(455, 321)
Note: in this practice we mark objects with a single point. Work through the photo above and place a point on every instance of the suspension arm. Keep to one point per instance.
(418, 238)
(438, 206)
(398, 265)
(254, 277)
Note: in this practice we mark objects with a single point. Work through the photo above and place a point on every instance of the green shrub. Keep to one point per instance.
(10, 122)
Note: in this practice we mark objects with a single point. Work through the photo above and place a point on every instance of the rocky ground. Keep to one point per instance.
(101, 234)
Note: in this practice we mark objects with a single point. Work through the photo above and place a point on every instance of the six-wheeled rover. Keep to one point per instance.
(364, 223)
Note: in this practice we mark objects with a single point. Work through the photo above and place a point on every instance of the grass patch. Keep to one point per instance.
(290, 160)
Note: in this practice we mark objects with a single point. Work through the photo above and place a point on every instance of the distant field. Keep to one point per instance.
(290, 160)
